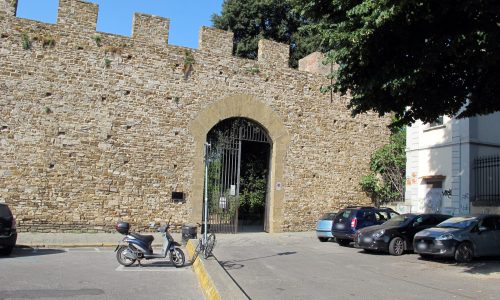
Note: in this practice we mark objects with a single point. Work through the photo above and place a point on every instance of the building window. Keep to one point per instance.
(437, 122)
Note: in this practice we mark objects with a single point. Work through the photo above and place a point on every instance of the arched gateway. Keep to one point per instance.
(247, 107)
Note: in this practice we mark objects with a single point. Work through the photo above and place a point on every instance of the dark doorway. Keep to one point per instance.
(237, 176)
(253, 186)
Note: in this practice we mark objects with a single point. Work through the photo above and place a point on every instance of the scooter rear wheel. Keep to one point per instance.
(177, 257)
(122, 258)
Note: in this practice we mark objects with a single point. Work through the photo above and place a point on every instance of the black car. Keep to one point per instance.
(350, 219)
(461, 237)
(396, 235)
(8, 232)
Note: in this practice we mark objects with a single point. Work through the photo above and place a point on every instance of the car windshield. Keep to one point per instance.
(328, 216)
(399, 220)
(458, 222)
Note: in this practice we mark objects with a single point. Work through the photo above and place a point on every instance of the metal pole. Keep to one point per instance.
(207, 146)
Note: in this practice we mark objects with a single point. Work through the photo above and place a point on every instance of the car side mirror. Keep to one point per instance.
(415, 224)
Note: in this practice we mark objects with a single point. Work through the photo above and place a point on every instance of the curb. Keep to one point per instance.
(206, 282)
(214, 280)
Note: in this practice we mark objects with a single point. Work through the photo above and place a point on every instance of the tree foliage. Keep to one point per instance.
(418, 58)
(252, 20)
(253, 185)
(385, 182)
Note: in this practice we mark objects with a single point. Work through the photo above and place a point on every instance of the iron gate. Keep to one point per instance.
(224, 168)
(487, 181)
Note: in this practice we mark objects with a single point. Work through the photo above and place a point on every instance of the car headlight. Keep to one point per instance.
(378, 234)
(444, 237)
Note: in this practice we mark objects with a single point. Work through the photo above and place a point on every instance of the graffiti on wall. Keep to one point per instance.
(412, 179)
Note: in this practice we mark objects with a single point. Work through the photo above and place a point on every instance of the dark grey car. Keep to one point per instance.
(8, 232)
(461, 237)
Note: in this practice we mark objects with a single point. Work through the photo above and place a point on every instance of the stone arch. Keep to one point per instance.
(244, 106)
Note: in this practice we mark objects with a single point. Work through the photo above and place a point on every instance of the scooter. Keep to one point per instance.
(135, 247)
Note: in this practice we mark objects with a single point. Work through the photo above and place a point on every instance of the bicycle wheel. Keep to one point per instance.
(209, 247)
(197, 251)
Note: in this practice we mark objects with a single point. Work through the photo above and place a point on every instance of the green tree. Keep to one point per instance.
(418, 58)
(253, 185)
(385, 182)
(252, 20)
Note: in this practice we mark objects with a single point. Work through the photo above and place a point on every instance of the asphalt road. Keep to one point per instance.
(298, 266)
(91, 273)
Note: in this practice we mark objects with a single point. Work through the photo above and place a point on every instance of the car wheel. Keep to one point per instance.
(464, 253)
(397, 246)
(323, 239)
(343, 242)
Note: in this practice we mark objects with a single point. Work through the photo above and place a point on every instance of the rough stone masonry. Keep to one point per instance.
(96, 127)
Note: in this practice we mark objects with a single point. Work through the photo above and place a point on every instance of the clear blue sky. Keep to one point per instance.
(115, 16)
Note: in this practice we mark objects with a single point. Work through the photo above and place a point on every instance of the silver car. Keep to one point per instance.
(461, 237)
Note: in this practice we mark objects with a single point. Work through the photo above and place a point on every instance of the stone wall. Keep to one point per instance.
(95, 127)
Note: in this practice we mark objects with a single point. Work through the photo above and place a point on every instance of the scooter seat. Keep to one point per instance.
(145, 238)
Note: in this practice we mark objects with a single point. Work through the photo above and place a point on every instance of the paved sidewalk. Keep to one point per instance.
(80, 239)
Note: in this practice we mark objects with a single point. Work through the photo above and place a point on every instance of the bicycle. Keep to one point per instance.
(205, 247)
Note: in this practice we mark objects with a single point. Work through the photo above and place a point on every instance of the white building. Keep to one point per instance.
(453, 166)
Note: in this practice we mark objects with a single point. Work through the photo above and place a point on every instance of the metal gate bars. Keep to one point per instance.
(224, 169)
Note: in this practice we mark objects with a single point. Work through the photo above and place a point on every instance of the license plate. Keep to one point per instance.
(367, 240)
(422, 246)
(340, 226)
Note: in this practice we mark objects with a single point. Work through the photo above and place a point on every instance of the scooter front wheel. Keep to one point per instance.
(121, 256)
(177, 257)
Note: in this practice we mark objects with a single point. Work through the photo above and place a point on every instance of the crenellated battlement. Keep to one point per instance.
(215, 41)
(77, 15)
(81, 17)
(273, 53)
(150, 28)
(8, 8)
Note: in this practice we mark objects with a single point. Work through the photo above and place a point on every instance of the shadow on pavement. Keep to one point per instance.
(24, 251)
(35, 294)
(156, 264)
(235, 264)
(373, 252)
(482, 265)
